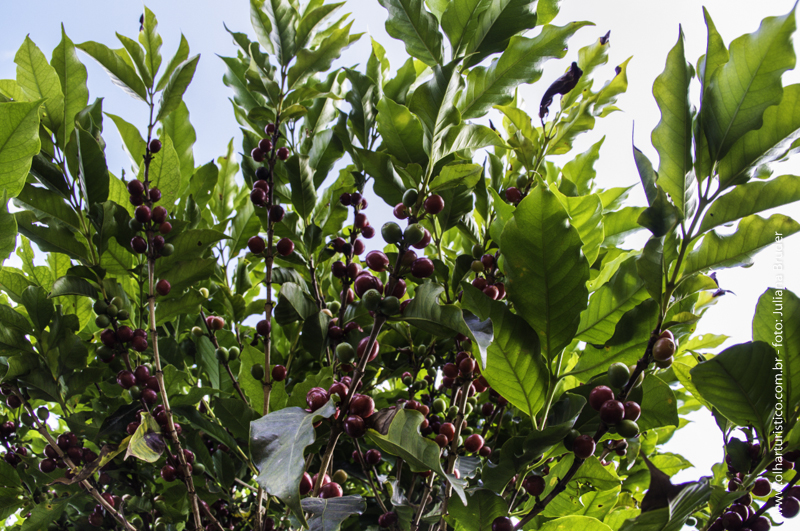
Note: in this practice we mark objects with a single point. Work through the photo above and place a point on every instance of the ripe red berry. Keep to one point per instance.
(257, 154)
(368, 232)
(261, 182)
(422, 267)
(165, 228)
(513, 195)
(473, 443)
(762, 487)
(360, 221)
(285, 247)
(47, 465)
(316, 398)
(283, 153)
(330, 490)
(534, 485)
(424, 242)
(270, 129)
(612, 412)
(599, 396)
(136, 188)
(387, 519)
(142, 214)
(139, 244)
(265, 145)
(258, 197)
(441, 440)
(377, 260)
(372, 457)
(583, 446)
(790, 507)
(276, 213)
(502, 523)
(96, 519)
(263, 327)
(362, 405)
(663, 349)
(159, 214)
(163, 287)
(139, 344)
(256, 244)
(149, 396)
(155, 145)
(279, 373)
(168, 473)
(358, 247)
(362, 348)
(126, 379)
(434, 204)
(124, 334)
(158, 242)
(400, 211)
(632, 410)
(448, 430)
(306, 484)
(354, 426)
(155, 195)
(338, 269)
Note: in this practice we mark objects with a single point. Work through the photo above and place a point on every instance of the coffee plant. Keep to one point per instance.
(234, 345)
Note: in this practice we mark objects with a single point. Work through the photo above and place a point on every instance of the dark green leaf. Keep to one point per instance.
(482, 508)
(410, 22)
(172, 96)
(72, 285)
(207, 360)
(72, 75)
(328, 514)
(120, 72)
(19, 142)
(92, 166)
(310, 62)
(51, 239)
(45, 203)
(503, 20)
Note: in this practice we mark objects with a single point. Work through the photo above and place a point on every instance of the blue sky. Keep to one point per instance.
(644, 29)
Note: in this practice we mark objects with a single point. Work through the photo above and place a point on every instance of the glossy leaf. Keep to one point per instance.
(19, 142)
(136, 55)
(277, 442)
(546, 269)
(72, 285)
(172, 96)
(460, 20)
(411, 23)
(650, 267)
(72, 75)
(45, 203)
(39, 81)
(282, 18)
(501, 21)
(740, 91)
(466, 137)
(119, 71)
(165, 173)
(738, 383)
(672, 137)
(659, 405)
(329, 514)
(454, 175)
(586, 215)
(179, 128)
(752, 235)
(310, 62)
(785, 341)
(482, 508)
(401, 132)
(180, 56)
(580, 170)
(51, 239)
(434, 103)
(93, 176)
(521, 62)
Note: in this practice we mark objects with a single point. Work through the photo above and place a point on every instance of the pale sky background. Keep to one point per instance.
(647, 30)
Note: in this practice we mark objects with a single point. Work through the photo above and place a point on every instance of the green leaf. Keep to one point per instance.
(580, 170)
(293, 304)
(165, 173)
(132, 140)
(411, 23)
(621, 293)
(53, 239)
(650, 267)
(401, 132)
(121, 74)
(172, 97)
(245, 224)
(329, 514)
(13, 283)
(752, 235)
(482, 508)
(454, 175)
(8, 231)
(315, 333)
(514, 364)
(738, 382)
(785, 341)
(672, 137)
(93, 169)
(19, 142)
(40, 309)
(751, 198)
(183, 274)
(313, 16)
(301, 181)
(207, 360)
(460, 20)
(137, 57)
(661, 217)
(434, 103)
(190, 244)
(72, 75)
(45, 203)
(180, 56)
(521, 62)
(146, 443)
(659, 405)
(187, 304)
(39, 81)
(72, 285)
(466, 137)
(282, 18)
(739, 91)
(151, 41)
(496, 25)
(547, 10)
(586, 214)
(310, 62)
(546, 269)
(179, 128)
(277, 442)
(43, 514)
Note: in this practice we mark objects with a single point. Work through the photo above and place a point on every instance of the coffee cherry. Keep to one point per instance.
(618, 374)
(790, 507)
(142, 214)
(139, 344)
(513, 195)
(96, 519)
(126, 379)
(731, 520)
(434, 204)
(399, 211)
(583, 446)
(628, 429)
(155, 145)
(377, 261)
(599, 396)
(362, 405)
(534, 485)
(135, 188)
(360, 220)
(136, 200)
(424, 241)
(422, 267)
(276, 214)
(362, 348)
(372, 457)
(269, 129)
(612, 412)
(102, 321)
(354, 426)
(330, 490)
(390, 305)
(663, 349)
(222, 354)
(316, 398)
(47, 465)
(306, 484)
(258, 197)
(256, 244)
(448, 430)
(263, 327)
(257, 371)
(502, 523)
(761, 523)
(283, 153)
(150, 396)
(257, 154)
(368, 232)
(632, 410)
(163, 287)
(139, 244)
(285, 247)
(168, 473)
(473, 443)
(159, 214)
(279, 373)
(155, 195)
(265, 145)
(492, 292)
(387, 519)
(43, 413)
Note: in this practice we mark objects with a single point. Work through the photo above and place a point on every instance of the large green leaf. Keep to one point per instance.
(751, 198)
(120, 72)
(180, 56)
(659, 405)
(739, 383)
(521, 62)
(514, 364)
(501, 21)
(460, 20)
(277, 442)
(190, 244)
(282, 18)
(8, 231)
(19, 142)
(621, 293)
(72, 75)
(183, 274)
(785, 340)
(151, 41)
(434, 103)
(772, 141)
(482, 508)
(672, 137)
(301, 182)
(45, 203)
(165, 173)
(454, 175)
(468, 137)
(314, 15)
(93, 175)
(580, 170)
(752, 235)
(53, 239)
(740, 90)
(132, 140)
(179, 128)
(39, 81)
(72, 285)
(586, 215)
(546, 269)
(172, 96)
(411, 23)
(136, 55)
(401, 132)
(187, 304)
(310, 62)
(329, 514)
(147, 443)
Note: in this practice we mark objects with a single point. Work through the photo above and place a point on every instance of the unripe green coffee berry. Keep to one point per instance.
(472, 401)
(197, 331)
(408, 380)
(136, 392)
(102, 321)
(522, 181)
(118, 302)
(476, 266)
(477, 250)
(340, 477)
(429, 362)
(467, 431)
(43, 413)
(123, 315)
(204, 292)
(391, 232)
(628, 429)
(27, 419)
(222, 354)
(233, 353)
(168, 249)
(112, 310)
(453, 411)
(134, 225)
(198, 469)
(420, 350)
(439, 405)
(345, 352)
(618, 374)
(100, 307)
(257, 371)
(419, 385)
(410, 198)
(104, 353)
(371, 299)
(413, 234)
(389, 306)
(334, 307)
(468, 409)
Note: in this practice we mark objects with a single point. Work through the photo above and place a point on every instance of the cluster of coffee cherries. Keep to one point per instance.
(173, 470)
(97, 515)
(14, 454)
(159, 415)
(433, 204)
(664, 349)
(284, 247)
(70, 445)
(741, 517)
(139, 383)
(119, 340)
(147, 219)
(278, 372)
(264, 147)
(514, 194)
(108, 312)
(487, 273)
(360, 408)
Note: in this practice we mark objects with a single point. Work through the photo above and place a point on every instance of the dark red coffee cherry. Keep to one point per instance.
(362, 348)
(285, 247)
(159, 214)
(155, 145)
(149, 396)
(279, 373)
(168, 473)
(257, 154)
(583, 446)
(372, 457)
(163, 287)
(513, 195)
(362, 405)
(306, 484)
(256, 244)
(139, 344)
(422, 267)
(263, 328)
(316, 398)
(142, 214)
(599, 396)
(136, 188)
(126, 379)
(47, 465)
(139, 244)
(165, 228)
(331, 490)
(632, 410)
(258, 197)
(354, 426)
(270, 129)
(790, 507)
(612, 412)
(155, 195)
(283, 153)
(434, 204)
(502, 523)
(265, 145)
(534, 485)
(663, 349)
(276, 213)
(762, 487)
(473, 443)
(387, 519)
